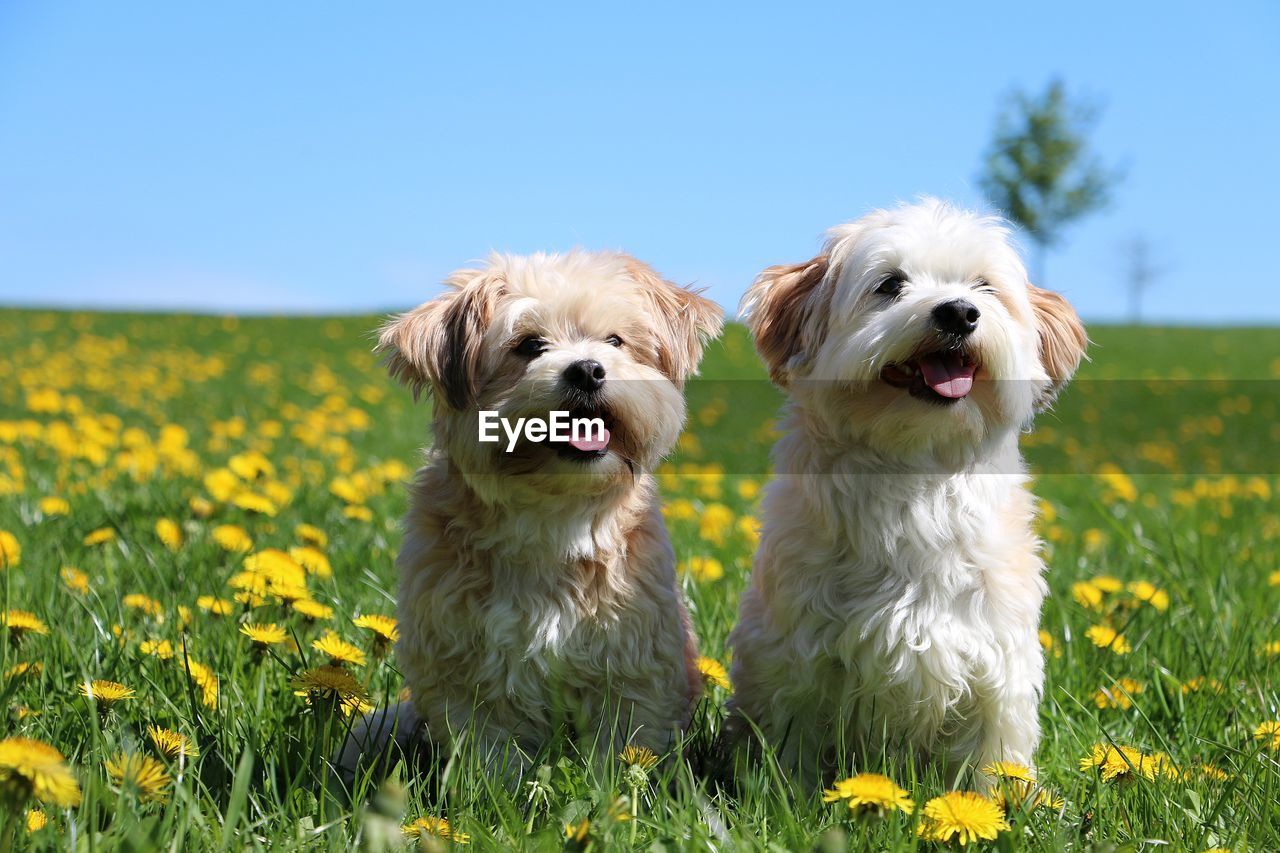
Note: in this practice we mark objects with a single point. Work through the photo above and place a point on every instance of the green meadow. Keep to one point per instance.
(199, 514)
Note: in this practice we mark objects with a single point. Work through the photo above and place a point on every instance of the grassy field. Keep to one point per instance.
(167, 481)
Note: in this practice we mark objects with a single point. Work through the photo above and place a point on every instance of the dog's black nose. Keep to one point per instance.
(585, 375)
(957, 317)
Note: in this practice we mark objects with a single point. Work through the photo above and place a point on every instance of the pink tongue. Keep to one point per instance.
(947, 374)
(592, 442)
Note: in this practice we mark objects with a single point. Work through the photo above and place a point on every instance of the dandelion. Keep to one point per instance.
(32, 768)
(713, 673)
(1123, 763)
(21, 623)
(576, 833)
(145, 603)
(963, 816)
(10, 550)
(358, 513)
(338, 650)
(1195, 685)
(54, 506)
(1088, 595)
(638, 756)
(24, 669)
(1272, 648)
(216, 606)
(172, 744)
(870, 792)
(1274, 578)
(716, 521)
(383, 627)
(162, 649)
(1120, 695)
(263, 636)
(704, 569)
(36, 820)
(312, 610)
(309, 534)
(1269, 734)
(434, 827)
(229, 537)
(203, 678)
(251, 502)
(1107, 583)
(106, 694)
(1018, 786)
(74, 579)
(142, 774)
(169, 533)
(1106, 637)
(313, 560)
(329, 682)
(1149, 593)
(101, 536)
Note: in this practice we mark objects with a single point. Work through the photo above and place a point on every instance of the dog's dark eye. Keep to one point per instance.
(984, 285)
(531, 347)
(892, 285)
(613, 341)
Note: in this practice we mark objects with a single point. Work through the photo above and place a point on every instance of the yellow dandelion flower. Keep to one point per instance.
(313, 610)
(1106, 637)
(20, 623)
(1018, 786)
(215, 606)
(962, 816)
(1107, 584)
(10, 550)
(383, 627)
(358, 513)
(1151, 594)
(330, 682)
(309, 534)
(577, 833)
(338, 650)
(201, 507)
(1195, 685)
(434, 827)
(142, 774)
(680, 509)
(638, 756)
(713, 673)
(25, 669)
(717, 519)
(162, 649)
(1087, 595)
(203, 678)
(870, 792)
(36, 820)
(1269, 734)
(312, 559)
(54, 506)
(169, 533)
(1120, 695)
(172, 744)
(75, 580)
(252, 502)
(265, 635)
(106, 693)
(101, 536)
(145, 603)
(1274, 578)
(32, 768)
(704, 569)
(229, 537)
(1209, 771)
(1122, 763)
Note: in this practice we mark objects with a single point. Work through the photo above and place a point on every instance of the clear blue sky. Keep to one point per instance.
(324, 157)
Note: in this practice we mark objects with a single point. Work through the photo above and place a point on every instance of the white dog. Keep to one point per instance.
(895, 599)
(538, 591)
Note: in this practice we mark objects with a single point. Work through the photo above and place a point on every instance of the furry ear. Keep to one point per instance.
(1062, 340)
(777, 308)
(437, 346)
(692, 318)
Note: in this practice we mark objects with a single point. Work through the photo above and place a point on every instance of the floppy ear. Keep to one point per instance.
(777, 308)
(692, 320)
(437, 346)
(1062, 340)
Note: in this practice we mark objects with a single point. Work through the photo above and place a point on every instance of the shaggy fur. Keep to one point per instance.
(538, 592)
(895, 598)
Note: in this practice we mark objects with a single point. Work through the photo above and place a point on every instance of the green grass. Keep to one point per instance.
(1159, 464)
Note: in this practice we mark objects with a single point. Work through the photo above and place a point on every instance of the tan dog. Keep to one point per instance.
(896, 594)
(537, 583)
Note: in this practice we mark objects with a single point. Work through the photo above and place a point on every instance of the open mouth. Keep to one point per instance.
(585, 444)
(944, 376)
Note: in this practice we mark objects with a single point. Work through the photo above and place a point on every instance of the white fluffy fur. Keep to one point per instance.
(896, 594)
(537, 593)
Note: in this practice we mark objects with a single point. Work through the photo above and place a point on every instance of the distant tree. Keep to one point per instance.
(1039, 170)
(1141, 272)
